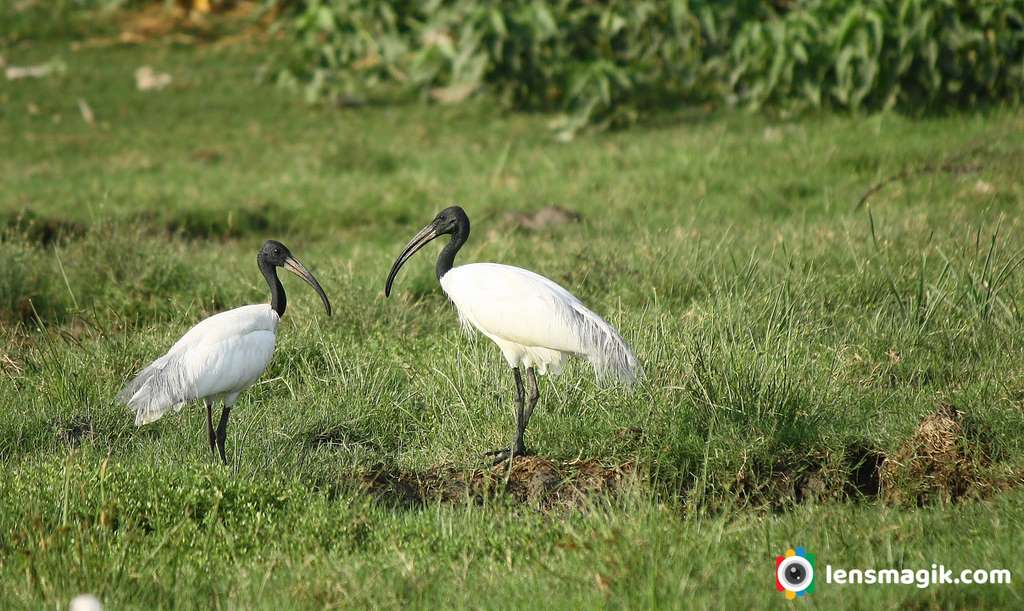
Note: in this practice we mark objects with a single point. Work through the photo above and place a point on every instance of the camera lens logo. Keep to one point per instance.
(794, 573)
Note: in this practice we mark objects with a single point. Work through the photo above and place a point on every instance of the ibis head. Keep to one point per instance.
(275, 254)
(450, 221)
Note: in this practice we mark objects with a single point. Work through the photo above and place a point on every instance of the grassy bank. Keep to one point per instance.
(821, 372)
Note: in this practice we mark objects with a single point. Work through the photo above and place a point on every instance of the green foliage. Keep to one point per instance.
(604, 63)
(788, 337)
(596, 62)
(880, 54)
(53, 19)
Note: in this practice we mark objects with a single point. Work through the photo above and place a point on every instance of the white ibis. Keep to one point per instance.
(85, 602)
(534, 321)
(219, 357)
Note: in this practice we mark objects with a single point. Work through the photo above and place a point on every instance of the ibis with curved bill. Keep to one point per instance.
(219, 357)
(535, 322)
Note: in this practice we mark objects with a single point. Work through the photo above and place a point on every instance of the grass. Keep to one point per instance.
(797, 348)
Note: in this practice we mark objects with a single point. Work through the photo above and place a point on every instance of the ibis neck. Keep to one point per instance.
(278, 300)
(446, 259)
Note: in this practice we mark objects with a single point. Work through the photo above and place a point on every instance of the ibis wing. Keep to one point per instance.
(205, 370)
(222, 354)
(159, 388)
(517, 305)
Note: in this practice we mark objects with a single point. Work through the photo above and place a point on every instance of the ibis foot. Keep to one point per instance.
(505, 454)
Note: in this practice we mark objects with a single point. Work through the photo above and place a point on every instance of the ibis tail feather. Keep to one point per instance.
(609, 354)
(158, 389)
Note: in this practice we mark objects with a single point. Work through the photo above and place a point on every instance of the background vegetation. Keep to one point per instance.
(610, 62)
(828, 308)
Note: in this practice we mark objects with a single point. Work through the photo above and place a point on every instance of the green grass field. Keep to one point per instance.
(849, 378)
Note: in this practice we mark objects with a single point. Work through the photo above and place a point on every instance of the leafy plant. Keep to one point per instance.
(607, 63)
(880, 54)
(598, 63)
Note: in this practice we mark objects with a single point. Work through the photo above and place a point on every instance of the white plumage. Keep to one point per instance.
(217, 359)
(85, 602)
(535, 322)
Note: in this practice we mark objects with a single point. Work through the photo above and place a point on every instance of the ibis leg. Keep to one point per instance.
(517, 448)
(533, 398)
(209, 428)
(222, 432)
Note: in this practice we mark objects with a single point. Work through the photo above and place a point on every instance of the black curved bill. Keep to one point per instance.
(292, 264)
(418, 241)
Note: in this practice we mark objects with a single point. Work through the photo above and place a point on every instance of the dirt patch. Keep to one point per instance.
(205, 224)
(208, 156)
(73, 431)
(818, 476)
(782, 484)
(538, 481)
(23, 311)
(10, 366)
(360, 160)
(972, 159)
(41, 230)
(339, 436)
(864, 466)
(549, 216)
(184, 22)
(188, 22)
(946, 460)
(941, 462)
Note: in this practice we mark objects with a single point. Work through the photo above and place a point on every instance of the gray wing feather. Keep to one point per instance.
(608, 353)
(157, 389)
